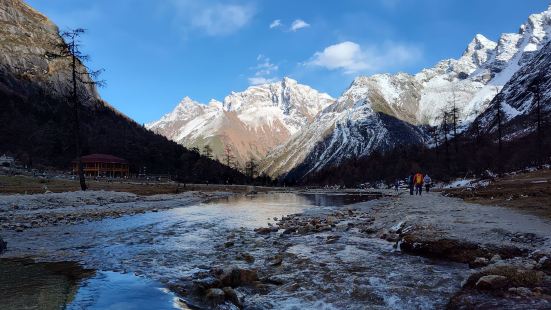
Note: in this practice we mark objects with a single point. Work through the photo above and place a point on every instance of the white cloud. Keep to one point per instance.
(212, 17)
(258, 80)
(299, 24)
(353, 58)
(264, 71)
(276, 23)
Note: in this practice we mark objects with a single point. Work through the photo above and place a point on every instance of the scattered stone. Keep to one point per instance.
(277, 260)
(491, 282)
(248, 258)
(215, 296)
(332, 239)
(3, 246)
(263, 230)
(520, 291)
(496, 258)
(456, 250)
(544, 264)
(231, 295)
(479, 262)
(237, 277)
(289, 231)
(276, 280)
(229, 244)
(206, 283)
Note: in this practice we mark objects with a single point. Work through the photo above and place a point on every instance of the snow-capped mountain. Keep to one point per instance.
(383, 111)
(251, 122)
(518, 98)
(300, 130)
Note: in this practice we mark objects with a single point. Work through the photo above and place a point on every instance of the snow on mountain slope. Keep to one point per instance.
(518, 97)
(364, 118)
(383, 111)
(251, 122)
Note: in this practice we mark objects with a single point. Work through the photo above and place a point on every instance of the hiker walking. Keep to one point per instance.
(396, 185)
(428, 182)
(411, 183)
(418, 180)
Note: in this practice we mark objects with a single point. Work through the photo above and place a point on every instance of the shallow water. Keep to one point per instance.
(175, 244)
(65, 285)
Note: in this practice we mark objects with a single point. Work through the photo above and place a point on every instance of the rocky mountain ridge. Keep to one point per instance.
(383, 111)
(376, 113)
(251, 122)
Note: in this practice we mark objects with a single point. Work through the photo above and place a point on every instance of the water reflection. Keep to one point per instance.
(25, 284)
(336, 200)
(111, 290)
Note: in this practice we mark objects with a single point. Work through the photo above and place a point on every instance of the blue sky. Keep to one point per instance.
(156, 52)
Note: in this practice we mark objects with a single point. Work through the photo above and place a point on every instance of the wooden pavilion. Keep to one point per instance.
(103, 165)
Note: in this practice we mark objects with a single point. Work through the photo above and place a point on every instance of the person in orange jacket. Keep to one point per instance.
(418, 181)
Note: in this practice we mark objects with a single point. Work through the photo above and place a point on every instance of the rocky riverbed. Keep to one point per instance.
(469, 256)
(288, 251)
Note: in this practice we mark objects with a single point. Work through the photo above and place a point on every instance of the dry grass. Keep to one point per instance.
(31, 185)
(530, 192)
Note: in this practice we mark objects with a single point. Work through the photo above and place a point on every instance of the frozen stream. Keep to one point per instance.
(166, 246)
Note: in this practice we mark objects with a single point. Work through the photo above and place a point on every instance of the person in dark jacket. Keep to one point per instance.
(411, 183)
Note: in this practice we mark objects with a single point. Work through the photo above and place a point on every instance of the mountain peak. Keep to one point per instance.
(479, 50)
(187, 100)
(288, 81)
(186, 104)
(479, 43)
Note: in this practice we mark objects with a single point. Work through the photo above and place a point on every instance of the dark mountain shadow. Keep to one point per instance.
(378, 133)
(37, 128)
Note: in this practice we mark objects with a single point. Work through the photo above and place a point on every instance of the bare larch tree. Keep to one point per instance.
(81, 79)
(454, 114)
(498, 122)
(446, 131)
(250, 168)
(536, 93)
(207, 151)
(228, 156)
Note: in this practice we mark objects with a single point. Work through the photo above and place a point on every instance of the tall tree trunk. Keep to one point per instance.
(500, 140)
(540, 137)
(76, 127)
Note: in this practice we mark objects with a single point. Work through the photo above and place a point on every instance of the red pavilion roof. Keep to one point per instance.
(102, 158)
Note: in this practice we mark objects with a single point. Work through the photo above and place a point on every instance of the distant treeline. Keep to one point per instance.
(467, 155)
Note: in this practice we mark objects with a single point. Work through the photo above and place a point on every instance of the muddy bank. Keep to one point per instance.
(528, 192)
(21, 212)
